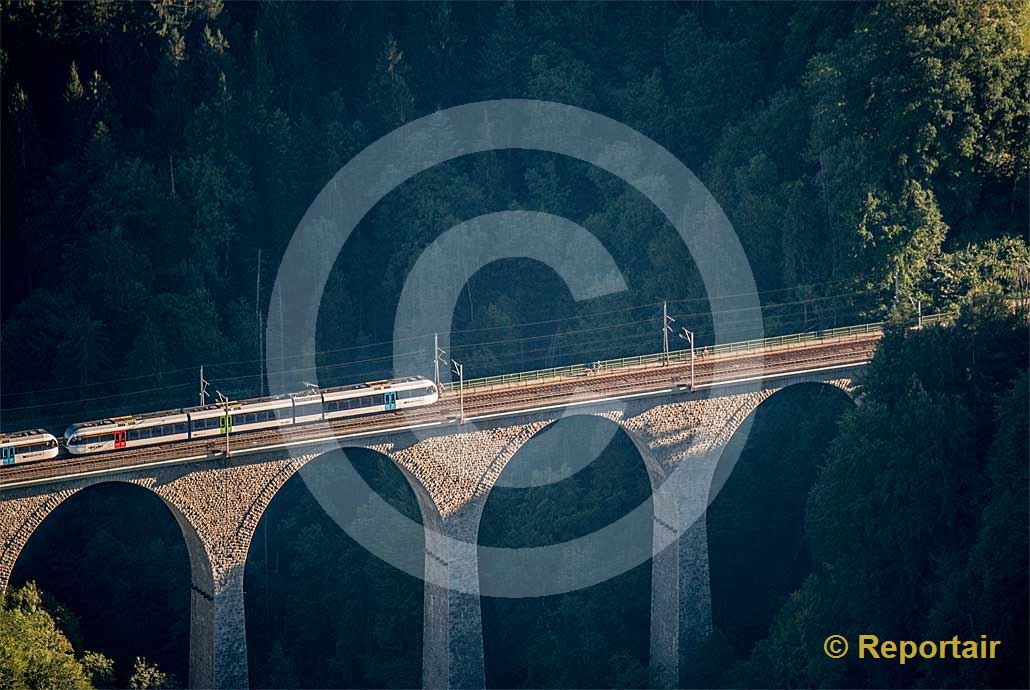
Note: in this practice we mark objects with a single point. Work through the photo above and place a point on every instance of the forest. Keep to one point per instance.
(872, 157)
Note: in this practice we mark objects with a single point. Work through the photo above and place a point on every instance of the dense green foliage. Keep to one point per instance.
(918, 523)
(37, 654)
(863, 152)
(34, 653)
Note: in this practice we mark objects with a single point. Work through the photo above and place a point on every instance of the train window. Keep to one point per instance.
(132, 435)
(180, 427)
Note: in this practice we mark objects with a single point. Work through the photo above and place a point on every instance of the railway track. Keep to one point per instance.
(509, 398)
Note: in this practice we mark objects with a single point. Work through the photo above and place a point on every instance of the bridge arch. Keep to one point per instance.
(310, 492)
(754, 523)
(49, 520)
(21, 524)
(562, 465)
(844, 388)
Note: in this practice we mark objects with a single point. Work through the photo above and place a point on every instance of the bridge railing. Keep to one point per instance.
(607, 365)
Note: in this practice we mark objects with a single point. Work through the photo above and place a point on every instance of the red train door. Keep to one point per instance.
(119, 439)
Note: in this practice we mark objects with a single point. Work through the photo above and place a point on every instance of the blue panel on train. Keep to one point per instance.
(390, 400)
(7, 454)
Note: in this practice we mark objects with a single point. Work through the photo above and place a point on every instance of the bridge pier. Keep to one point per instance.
(218, 635)
(453, 638)
(681, 602)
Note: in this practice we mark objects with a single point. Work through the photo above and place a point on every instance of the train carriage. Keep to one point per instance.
(27, 446)
(378, 396)
(131, 431)
(245, 415)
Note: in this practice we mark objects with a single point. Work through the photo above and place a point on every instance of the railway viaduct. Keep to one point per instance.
(219, 500)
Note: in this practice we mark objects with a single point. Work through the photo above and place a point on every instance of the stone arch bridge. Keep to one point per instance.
(219, 501)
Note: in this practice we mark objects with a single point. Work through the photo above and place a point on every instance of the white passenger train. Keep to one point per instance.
(247, 415)
(26, 446)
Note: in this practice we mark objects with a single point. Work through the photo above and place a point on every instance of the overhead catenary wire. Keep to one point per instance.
(465, 347)
(586, 315)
